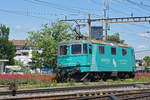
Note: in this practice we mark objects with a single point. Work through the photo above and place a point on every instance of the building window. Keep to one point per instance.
(90, 49)
(113, 51)
(124, 52)
(25, 53)
(85, 49)
(63, 50)
(76, 49)
(101, 50)
(18, 54)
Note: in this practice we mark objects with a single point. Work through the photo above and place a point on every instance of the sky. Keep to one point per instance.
(23, 16)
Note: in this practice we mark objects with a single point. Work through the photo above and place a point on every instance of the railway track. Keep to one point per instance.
(3, 87)
(72, 92)
(143, 94)
(109, 95)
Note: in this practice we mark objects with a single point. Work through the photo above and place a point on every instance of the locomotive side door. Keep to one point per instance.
(90, 54)
(114, 58)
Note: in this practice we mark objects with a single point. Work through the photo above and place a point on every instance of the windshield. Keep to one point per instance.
(76, 49)
(63, 50)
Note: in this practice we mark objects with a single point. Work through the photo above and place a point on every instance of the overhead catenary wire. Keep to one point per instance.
(140, 5)
(72, 8)
(132, 7)
(22, 13)
(59, 7)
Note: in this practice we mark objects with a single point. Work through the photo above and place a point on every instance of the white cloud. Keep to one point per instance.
(146, 35)
(18, 27)
(142, 46)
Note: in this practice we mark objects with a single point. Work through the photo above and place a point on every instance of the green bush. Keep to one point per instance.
(54, 83)
(101, 82)
(5, 81)
(70, 84)
(143, 79)
(129, 80)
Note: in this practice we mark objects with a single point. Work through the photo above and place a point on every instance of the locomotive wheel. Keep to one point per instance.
(58, 77)
(131, 75)
(121, 75)
(61, 77)
(106, 76)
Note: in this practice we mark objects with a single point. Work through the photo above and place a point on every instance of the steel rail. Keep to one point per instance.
(121, 95)
(58, 89)
(128, 95)
(97, 90)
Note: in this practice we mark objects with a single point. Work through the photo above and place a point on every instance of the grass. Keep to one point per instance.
(32, 83)
(100, 82)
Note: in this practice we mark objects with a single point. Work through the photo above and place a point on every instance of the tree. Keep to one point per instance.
(7, 49)
(115, 38)
(147, 60)
(46, 40)
(4, 31)
(19, 63)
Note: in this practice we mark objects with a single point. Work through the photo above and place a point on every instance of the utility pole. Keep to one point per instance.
(89, 26)
(104, 20)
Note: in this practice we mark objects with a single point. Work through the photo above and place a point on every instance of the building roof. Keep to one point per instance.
(20, 42)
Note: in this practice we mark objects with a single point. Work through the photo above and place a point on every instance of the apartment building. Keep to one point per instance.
(24, 51)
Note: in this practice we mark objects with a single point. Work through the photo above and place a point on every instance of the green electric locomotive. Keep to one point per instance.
(94, 60)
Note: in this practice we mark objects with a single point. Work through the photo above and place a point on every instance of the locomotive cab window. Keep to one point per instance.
(101, 50)
(90, 49)
(124, 52)
(132, 53)
(63, 50)
(85, 49)
(76, 49)
(113, 51)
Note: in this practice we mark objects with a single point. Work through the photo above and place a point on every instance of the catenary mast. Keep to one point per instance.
(104, 20)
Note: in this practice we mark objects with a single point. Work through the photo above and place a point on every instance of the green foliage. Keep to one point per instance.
(143, 79)
(118, 81)
(115, 38)
(110, 80)
(4, 31)
(47, 40)
(35, 85)
(7, 49)
(129, 80)
(54, 83)
(101, 82)
(19, 63)
(36, 57)
(147, 60)
(5, 81)
(70, 84)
